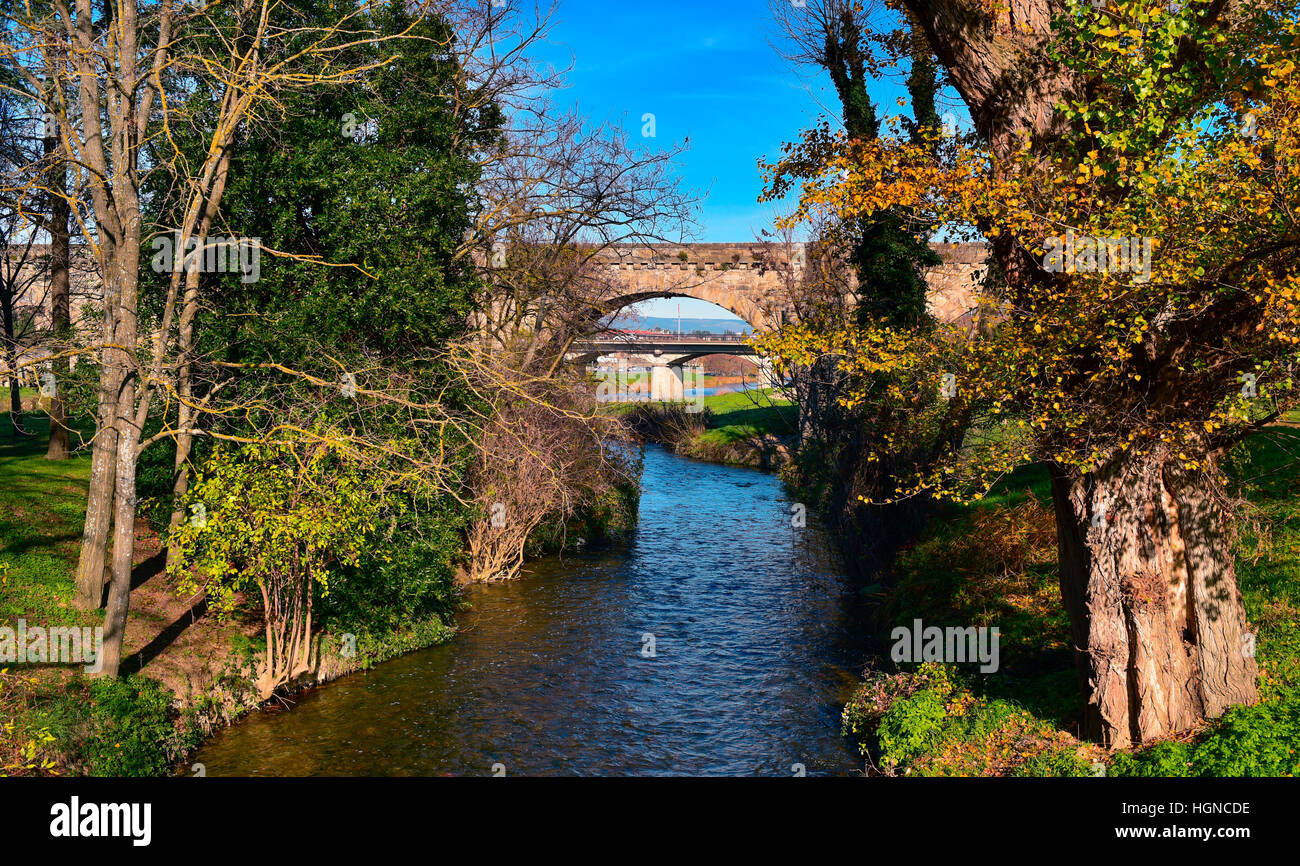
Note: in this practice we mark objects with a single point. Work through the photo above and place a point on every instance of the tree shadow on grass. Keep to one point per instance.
(135, 662)
(995, 565)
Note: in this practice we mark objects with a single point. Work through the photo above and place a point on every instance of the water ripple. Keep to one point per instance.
(754, 630)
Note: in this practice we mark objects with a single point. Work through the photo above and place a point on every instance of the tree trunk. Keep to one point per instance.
(60, 301)
(1147, 577)
(187, 416)
(119, 593)
(99, 497)
(128, 425)
(11, 361)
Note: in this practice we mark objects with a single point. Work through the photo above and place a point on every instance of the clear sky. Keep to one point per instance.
(708, 74)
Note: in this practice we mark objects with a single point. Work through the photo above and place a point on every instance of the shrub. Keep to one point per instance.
(1162, 759)
(132, 729)
(1259, 740)
(279, 520)
(909, 725)
(927, 722)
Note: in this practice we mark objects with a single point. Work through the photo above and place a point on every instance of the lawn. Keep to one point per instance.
(745, 414)
(42, 506)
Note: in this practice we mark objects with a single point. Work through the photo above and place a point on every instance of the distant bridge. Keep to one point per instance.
(753, 281)
(666, 355)
(684, 347)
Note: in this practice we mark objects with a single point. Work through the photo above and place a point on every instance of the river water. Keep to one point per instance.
(719, 640)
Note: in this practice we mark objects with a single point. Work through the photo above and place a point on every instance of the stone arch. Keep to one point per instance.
(736, 304)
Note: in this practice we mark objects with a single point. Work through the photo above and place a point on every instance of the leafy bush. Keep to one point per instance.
(1162, 759)
(1253, 741)
(1063, 763)
(1259, 740)
(403, 578)
(910, 724)
(927, 722)
(132, 729)
(277, 521)
(610, 513)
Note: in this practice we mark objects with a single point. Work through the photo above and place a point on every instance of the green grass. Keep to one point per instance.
(737, 415)
(42, 507)
(744, 414)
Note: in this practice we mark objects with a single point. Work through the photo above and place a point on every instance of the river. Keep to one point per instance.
(718, 640)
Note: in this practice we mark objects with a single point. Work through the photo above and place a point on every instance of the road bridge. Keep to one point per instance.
(666, 356)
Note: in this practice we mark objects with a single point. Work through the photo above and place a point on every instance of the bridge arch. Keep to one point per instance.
(748, 279)
(751, 279)
(738, 305)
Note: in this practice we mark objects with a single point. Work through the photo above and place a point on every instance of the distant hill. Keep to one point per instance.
(669, 323)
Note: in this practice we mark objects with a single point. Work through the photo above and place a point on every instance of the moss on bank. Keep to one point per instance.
(993, 563)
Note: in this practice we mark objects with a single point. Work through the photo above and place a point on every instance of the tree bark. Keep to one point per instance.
(1147, 577)
(11, 361)
(187, 418)
(127, 424)
(119, 593)
(127, 442)
(99, 497)
(60, 300)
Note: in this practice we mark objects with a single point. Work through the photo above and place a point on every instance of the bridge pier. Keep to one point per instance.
(666, 380)
(665, 355)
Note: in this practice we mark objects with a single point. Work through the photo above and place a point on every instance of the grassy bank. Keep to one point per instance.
(189, 672)
(993, 563)
(740, 428)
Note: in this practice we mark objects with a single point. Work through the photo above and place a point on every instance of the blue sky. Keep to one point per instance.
(708, 74)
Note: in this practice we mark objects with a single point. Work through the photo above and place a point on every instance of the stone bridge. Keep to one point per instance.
(733, 276)
(737, 278)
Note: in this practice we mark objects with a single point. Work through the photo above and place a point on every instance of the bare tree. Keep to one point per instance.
(22, 279)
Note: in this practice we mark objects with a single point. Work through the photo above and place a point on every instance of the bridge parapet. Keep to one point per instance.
(684, 257)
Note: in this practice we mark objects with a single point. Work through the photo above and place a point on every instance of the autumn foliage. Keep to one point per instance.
(1134, 170)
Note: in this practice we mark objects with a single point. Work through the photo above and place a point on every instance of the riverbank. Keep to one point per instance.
(188, 673)
(993, 563)
(751, 428)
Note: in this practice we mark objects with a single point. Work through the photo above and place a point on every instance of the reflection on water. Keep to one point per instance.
(755, 635)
